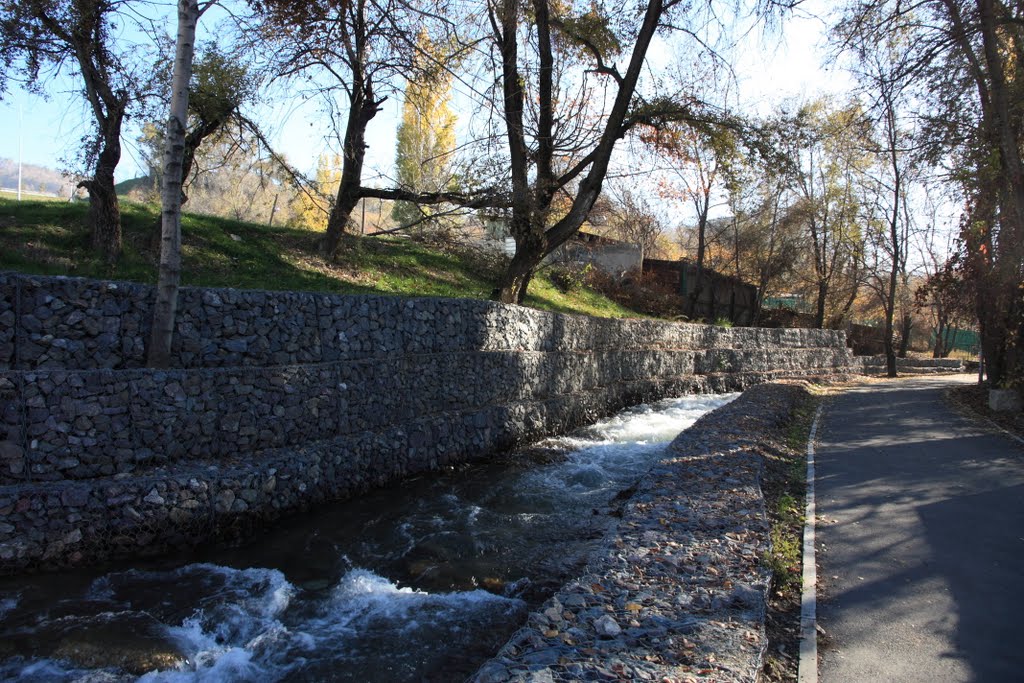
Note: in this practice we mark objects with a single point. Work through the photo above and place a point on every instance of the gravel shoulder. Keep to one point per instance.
(680, 591)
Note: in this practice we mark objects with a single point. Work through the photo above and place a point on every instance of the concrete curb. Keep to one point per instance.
(808, 672)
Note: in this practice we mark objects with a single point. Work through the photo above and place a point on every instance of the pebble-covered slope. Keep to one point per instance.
(678, 592)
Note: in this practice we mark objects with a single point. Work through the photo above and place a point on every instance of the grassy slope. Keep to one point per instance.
(48, 237)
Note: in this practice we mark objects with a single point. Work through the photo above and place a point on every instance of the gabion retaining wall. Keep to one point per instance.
(281, 400)
(875, 365)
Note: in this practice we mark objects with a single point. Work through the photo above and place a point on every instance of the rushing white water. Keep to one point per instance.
(253, 625)
(386, 588)
(618, 449)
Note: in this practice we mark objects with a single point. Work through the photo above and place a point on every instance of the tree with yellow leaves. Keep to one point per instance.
(426, 134)
(313, 204)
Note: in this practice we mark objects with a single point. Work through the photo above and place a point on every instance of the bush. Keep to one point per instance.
(571, 277)
(643, 293)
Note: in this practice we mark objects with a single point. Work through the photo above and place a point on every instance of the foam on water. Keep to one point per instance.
(655, 423)
(618, 448)
(252, 624)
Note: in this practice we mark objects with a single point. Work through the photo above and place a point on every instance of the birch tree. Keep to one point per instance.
(169, 275)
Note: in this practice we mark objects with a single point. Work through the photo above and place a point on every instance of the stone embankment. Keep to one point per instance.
(278, 401)
(875, 365)
(677, 592)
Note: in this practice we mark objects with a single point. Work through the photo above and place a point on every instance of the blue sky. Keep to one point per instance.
(768, 70)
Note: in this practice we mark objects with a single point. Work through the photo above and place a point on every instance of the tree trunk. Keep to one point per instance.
(514, 282)
(906, 328)
(890, 310)
(698, 281)
(819, 314)
(530, 210)
(693, 298)
(1003, 304)
(941, 326)
(104, 216)
(169, 276)
(341, 216)
(362, 109)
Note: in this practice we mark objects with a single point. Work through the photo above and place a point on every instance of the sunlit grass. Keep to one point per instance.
(50, 238)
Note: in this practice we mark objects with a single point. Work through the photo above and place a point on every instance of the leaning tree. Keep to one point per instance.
(43, 39)
(570, 91)
(362, 50)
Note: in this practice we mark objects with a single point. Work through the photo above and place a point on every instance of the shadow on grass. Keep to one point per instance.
(51, 238)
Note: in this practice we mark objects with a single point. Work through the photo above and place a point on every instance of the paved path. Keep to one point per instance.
(920, 540)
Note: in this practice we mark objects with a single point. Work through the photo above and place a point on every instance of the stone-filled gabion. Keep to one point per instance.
(875, 365)
(55, 323)
(335, 393)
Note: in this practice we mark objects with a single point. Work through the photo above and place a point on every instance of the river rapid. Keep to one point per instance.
(422, 581)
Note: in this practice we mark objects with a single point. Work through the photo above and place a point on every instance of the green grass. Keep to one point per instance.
(29, 196)
(50, 238)
(785, 485)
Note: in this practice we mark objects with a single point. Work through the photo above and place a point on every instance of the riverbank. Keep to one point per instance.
(679, 591)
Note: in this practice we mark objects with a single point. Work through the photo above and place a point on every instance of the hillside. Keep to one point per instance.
(35, 179)
(50, 238)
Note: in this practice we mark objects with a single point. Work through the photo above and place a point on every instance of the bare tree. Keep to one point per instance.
(555, 146)
(880, 66)
(827, 153)
(963, 58)
(364, 49)
(694, 157)
(631, 218)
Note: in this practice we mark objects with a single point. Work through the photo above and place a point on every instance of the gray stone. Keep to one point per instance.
(1005, 400)
(10, 451)
(607, 627)
(154, 498)
(492, 673)
(75, 497)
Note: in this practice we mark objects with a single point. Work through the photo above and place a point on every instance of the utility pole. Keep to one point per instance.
(21, 135)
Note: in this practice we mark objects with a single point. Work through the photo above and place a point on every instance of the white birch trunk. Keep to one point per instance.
(169, 277)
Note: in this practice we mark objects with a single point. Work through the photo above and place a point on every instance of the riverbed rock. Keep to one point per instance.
(607, 627)
(131, 642)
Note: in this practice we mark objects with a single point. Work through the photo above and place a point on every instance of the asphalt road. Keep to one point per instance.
(920, 540)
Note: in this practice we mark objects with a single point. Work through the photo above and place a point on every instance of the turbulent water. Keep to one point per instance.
(421, 581)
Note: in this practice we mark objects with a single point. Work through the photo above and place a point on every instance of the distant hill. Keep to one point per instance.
(34, 178)
(142, 183)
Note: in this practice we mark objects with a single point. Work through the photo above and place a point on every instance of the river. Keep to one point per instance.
(422, 581)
